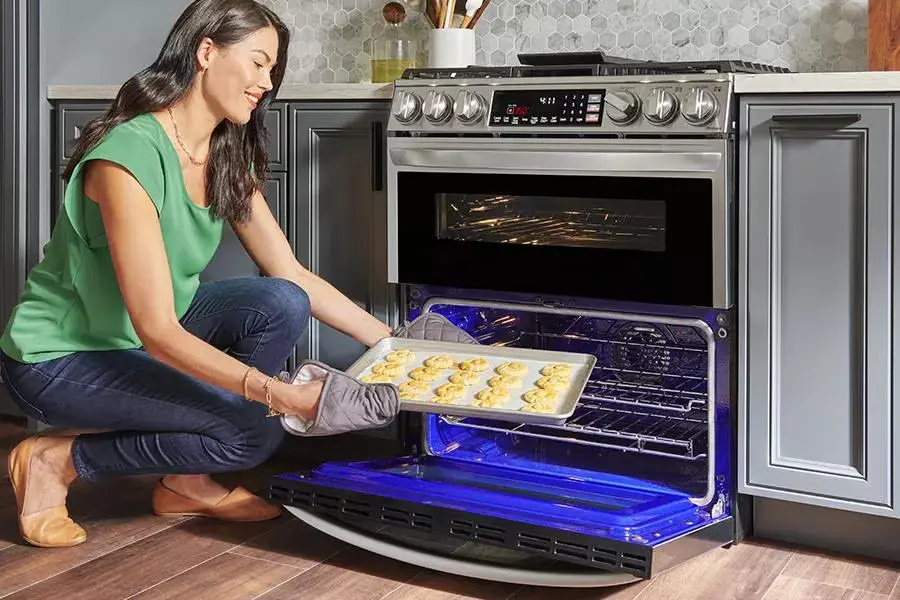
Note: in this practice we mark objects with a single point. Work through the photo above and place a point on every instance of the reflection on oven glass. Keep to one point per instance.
(553, 221)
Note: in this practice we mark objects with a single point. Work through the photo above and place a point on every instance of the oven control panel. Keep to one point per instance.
(548, 108)
(653, 105)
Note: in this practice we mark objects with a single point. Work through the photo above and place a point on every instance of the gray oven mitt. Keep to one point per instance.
(345, 404)
(434, 327)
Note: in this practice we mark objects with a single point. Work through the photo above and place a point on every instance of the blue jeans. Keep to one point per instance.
(161, 420)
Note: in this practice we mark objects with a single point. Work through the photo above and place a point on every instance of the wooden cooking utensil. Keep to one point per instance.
(474, 21)
(884, 35)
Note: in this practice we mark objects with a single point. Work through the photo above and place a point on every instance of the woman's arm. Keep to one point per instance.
(265, 242)
(142, 271)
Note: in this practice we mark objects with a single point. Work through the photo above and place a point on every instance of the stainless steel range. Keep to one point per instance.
(570, 204)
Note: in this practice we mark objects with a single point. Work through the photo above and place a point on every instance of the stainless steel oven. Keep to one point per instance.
(579, 213)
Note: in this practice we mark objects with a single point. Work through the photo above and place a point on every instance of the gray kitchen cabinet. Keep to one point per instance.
(819, 422)
(339, 210)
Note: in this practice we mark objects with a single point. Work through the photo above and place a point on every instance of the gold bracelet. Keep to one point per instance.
(246, 383)
(268, 387)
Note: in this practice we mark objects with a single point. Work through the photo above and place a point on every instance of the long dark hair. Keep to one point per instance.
(230, 183)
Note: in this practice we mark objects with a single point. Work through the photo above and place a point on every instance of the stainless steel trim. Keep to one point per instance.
(565, 577)
(698, 159)
(574, 81)
(695, 323)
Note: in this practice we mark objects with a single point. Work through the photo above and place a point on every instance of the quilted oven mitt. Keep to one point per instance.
(347, 404)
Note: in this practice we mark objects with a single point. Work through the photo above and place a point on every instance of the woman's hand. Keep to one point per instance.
(300, 400)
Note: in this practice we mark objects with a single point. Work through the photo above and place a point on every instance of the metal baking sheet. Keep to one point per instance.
(511, 408)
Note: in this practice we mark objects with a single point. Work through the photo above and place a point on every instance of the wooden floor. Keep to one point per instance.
(130, 553)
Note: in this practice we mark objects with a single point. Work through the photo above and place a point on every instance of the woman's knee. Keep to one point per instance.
(286, 305)
(254, 444)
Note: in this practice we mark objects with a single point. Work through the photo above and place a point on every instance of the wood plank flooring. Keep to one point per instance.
(132, 554)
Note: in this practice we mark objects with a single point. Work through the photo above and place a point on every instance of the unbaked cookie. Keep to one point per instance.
(443, 400)
(465, 377)
(391, 369)
(490, 398)
(404, 355)
(504, 381)
(559, 370)
(440, 362)
(538, 396)
(376, 378)
(450, 390)
(474, 364)
(410, 390)
(552, 383)
(424, 374)
(515, 369)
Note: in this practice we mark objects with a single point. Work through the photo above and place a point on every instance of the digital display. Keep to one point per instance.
(547, 108)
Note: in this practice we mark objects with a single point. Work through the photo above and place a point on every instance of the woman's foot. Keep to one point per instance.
(41, 471)
(200, 496)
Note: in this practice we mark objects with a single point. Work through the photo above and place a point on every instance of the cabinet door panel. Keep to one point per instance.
(817, 273)
(340, 216)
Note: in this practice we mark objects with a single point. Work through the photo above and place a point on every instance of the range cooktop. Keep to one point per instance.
(587, 64)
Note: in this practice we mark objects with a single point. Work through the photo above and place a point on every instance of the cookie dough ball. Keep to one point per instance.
(465, 377)
(450, 390)
(388, 368)
(539, 396)
(400, 356)
(552, 383)
(424, 374)
(440, 362)
(504, 381)
(474, 364)
(376, 378)
(557, 370)
(515, 369)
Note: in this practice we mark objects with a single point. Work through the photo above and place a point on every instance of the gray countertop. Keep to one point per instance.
(775, 83)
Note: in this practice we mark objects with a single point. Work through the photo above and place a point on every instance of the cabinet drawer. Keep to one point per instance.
(71, 122)
(72, 118)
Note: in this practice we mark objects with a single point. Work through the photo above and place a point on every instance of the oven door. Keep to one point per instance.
(643, 221)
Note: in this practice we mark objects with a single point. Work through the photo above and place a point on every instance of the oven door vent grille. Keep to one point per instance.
(446, 524)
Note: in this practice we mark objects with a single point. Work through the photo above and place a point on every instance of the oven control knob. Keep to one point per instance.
(470, 107)
(660, 107)
(409, 108)
(438, 107)
(699, 106)
(622, 107)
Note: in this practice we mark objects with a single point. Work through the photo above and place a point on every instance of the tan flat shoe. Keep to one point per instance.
(239, 505)
(49, 528)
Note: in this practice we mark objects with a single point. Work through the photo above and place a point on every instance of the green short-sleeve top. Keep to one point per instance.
(72, 301)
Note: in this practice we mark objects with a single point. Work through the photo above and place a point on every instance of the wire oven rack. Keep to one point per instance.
(649, 393)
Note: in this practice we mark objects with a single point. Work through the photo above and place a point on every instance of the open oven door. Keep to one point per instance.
(583, 533)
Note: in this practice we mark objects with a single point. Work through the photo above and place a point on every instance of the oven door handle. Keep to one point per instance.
(648, 164)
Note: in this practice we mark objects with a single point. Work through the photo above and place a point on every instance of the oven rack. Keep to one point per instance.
(677, 380)
(682, 436)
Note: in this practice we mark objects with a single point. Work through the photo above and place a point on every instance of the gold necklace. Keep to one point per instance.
(181, 143)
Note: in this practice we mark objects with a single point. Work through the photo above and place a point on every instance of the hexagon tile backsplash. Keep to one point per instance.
(332, 39)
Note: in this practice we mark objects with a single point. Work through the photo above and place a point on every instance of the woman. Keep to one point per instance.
(114, 331)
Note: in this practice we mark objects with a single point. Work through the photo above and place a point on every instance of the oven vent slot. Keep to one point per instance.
(398, 516)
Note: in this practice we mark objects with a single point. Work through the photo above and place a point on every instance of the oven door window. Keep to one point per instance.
(641, 239)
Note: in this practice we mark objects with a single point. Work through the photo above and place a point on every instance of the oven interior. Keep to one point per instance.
(644, 460)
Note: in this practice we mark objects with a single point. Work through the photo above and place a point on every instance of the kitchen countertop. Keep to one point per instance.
(800, 83)
(770, 83)
(324, 91)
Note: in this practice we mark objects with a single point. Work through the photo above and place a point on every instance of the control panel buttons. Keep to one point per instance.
(699, 106)
(409, 108)
(660, 107)
(438, 107)
(622, 108)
